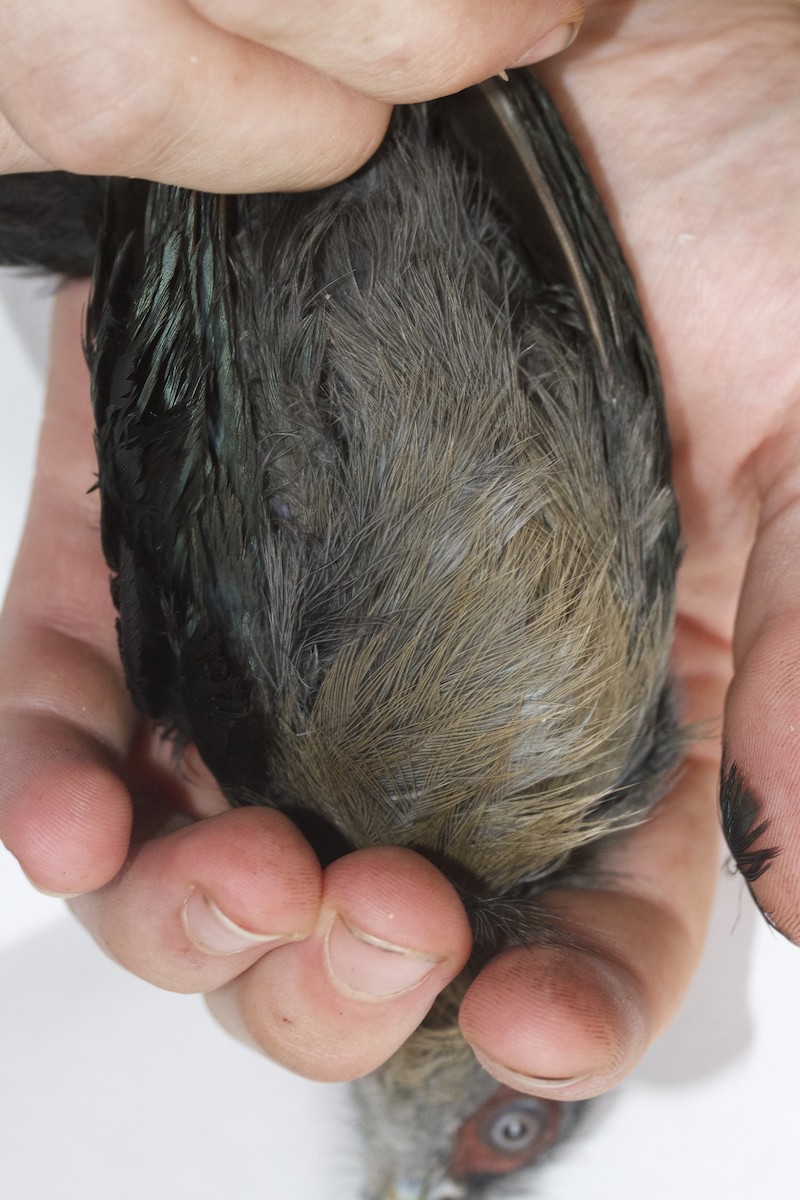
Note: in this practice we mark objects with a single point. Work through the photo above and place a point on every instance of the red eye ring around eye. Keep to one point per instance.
(474, 1154)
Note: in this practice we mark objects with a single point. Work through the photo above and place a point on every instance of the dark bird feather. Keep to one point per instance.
(386, 499)
(740, 810)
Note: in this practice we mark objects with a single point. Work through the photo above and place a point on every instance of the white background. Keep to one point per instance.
(110, 1089)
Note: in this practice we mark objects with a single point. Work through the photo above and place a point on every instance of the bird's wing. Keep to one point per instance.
(176, 465)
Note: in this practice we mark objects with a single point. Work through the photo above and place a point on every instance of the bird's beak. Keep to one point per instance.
(409, 1189)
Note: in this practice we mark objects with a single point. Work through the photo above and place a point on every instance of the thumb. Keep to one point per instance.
(760, 783)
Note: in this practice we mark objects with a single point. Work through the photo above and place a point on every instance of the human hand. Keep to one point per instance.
(78, 764)
(688, 117)
(593, 1015)
(242, 95)
(702, 185)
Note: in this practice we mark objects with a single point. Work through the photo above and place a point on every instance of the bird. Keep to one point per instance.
(386, 501)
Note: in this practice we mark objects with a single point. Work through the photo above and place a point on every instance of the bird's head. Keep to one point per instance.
(436, 1126)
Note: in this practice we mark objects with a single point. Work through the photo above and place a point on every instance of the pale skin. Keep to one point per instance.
(689, 115)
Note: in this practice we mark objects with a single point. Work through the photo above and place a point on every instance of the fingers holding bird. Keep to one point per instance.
(404, 52)
(89, 801)
(572, 1022)
(154, 90)
(390, 935)
(241, 96)
(328, 972)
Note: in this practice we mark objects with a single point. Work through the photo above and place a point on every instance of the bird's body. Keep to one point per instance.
(385, 495)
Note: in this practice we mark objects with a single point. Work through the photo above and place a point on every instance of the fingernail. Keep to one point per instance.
(368, 968)
(55, 895)
(524, 1083)
(552, 43)
(212, 932)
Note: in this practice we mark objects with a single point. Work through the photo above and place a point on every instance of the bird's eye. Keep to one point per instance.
(518, 1127)
(509, 1131)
